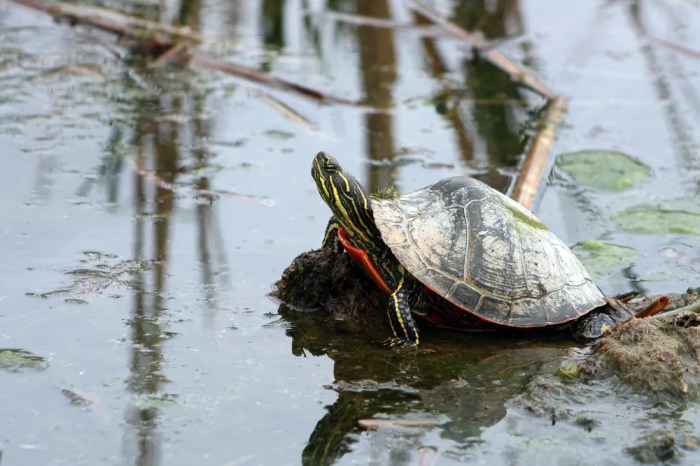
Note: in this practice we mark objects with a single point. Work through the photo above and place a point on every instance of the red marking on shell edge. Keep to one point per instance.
(523, 326)
(361, 257)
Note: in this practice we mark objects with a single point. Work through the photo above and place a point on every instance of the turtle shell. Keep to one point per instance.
(486, 254)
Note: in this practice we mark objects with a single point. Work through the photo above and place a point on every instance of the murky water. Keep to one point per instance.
(147, 212)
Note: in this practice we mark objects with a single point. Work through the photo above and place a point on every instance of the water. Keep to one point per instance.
(146, 214)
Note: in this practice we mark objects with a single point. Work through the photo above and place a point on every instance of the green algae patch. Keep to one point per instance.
(387, 193)
(600, 258)
(525, 219)
(604, 170)
(672, 218)
(15, 360)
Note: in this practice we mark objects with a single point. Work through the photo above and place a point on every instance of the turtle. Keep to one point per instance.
(456, 253)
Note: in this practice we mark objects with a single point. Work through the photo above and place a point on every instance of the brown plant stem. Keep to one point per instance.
(531, 172)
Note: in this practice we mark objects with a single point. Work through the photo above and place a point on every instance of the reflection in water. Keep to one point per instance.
(662, 81)
(499, 126)
(468, 381)
(378, 68)
(158, 142)
(499, 103)
(435, 63)
(272, 18)
(142, 440)
(469, 385)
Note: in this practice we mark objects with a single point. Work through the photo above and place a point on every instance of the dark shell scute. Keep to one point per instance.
(522, 310)
(494, 309)
(464, 295)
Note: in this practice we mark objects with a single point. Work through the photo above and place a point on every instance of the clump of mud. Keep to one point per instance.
(662, 446)
(660, 357)
(324, 281)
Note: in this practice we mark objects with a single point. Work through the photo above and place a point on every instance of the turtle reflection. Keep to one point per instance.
(464, 387)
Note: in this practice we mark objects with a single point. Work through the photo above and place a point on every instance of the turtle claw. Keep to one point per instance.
(399, 343)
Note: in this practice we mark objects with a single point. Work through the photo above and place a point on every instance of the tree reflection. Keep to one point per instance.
(159, 147)
(378, 69)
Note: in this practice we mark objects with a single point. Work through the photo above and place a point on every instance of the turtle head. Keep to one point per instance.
(346, 197)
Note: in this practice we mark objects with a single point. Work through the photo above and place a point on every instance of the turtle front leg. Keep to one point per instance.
(330, 238)
(401, 301)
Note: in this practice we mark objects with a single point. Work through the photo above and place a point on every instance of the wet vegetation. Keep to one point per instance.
(155, 181)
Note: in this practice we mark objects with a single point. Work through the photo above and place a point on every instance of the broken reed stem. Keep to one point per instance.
(160, 36)
(285, 110)
(493, 56)
(678, 48)
(536, 159)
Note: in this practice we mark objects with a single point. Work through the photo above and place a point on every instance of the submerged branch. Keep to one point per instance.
(536, 159)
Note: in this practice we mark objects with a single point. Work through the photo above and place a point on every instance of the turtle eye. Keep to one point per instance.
(329, 166)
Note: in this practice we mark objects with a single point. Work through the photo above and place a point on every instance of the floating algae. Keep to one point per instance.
(604, 170)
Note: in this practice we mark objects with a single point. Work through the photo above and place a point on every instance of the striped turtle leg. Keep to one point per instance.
(330, 238)
(401, 301)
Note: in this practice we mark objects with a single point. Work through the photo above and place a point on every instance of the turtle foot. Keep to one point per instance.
(399, 343)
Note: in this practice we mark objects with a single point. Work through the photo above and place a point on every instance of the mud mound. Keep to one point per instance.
(323, 281)
(660, 357)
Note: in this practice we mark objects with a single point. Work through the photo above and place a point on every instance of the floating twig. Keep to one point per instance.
(396, 423)
(285, 110)
(361, 20)
(678, 47)
(536, 159)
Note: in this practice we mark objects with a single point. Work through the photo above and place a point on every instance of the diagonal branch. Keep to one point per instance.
(484, 52)
(533, 167)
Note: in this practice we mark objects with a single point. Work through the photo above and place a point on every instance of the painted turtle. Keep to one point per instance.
(454, 252)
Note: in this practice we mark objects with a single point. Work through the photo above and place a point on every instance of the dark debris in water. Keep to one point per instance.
(101, 271)
(662, 446)
(75, 398)
(16, 360)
